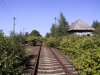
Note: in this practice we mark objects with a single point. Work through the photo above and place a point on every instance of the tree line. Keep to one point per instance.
(61, 27)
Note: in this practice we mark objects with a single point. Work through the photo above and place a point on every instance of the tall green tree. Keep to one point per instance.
(54, 30)
(35, 33)
(63, 25)
(61, 28)
(48, 34)
(26, 34)
(96, 25)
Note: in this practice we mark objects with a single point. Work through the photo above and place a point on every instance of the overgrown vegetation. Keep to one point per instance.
(33, 38)
(83, 51)
(12, 55)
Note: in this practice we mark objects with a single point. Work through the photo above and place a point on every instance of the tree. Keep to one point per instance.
(35, 33)
(61, 29)
(26, 34)
(48, 34)
(54, 30)
(63, 26)
(96, 25)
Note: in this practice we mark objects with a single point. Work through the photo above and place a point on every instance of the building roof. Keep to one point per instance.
(80, 25)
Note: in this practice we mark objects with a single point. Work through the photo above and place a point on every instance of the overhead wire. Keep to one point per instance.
(1, 5)
(7, 9)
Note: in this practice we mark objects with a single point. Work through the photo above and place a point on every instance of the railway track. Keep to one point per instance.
(33, 60)
(51, 61)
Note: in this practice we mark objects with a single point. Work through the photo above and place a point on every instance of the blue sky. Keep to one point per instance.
(39, 14)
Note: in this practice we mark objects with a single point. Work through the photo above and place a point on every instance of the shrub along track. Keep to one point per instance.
(50, 61)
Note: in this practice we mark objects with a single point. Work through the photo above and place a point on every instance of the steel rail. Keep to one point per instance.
(60, 62)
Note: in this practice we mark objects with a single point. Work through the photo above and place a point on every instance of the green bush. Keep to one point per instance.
(52, 41)
(33, 40)
(11, 56)
(84, 52)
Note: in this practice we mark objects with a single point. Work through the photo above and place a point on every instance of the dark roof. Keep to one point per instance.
(80, 25)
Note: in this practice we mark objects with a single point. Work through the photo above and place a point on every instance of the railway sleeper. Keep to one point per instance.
(54, 74)
(49, 68)
(50, 71)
